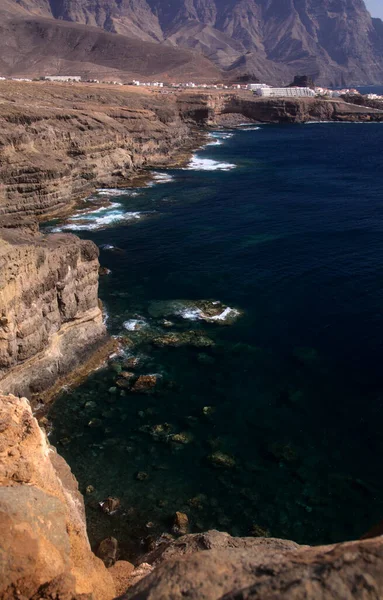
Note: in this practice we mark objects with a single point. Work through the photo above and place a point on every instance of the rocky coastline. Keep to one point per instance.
(57, 145)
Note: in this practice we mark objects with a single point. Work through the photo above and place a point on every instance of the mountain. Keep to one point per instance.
(333, 41)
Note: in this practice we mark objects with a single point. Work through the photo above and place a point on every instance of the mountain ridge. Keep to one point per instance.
(336, 42)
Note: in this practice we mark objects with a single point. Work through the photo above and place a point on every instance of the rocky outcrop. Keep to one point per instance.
(50, 317)
(211, 108)
(45, 551)
(216, 566)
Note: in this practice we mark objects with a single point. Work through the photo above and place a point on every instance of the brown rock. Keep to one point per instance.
(121, 572)
(145, 383)
(110, 505)
(132, 362)
(181, 524)
(221, 460)
(127, 374)
(215, 566)
(123, 383)
(107, 551)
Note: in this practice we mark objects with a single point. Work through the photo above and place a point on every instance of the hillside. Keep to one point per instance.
(335, 42)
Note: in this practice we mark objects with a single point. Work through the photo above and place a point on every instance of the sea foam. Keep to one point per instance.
(160, 178)
(198, 163)
(99, 218)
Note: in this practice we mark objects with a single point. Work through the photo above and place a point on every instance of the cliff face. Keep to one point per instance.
(50, 318)
(58, 142)
(45, 551)
(335, 42)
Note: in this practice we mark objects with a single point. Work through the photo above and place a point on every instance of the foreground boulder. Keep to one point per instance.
(216, 566)
(44, 548)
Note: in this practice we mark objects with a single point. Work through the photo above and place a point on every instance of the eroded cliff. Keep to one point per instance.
(50, 318)
(58, 142)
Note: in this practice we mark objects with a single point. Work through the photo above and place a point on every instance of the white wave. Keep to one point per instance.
(116, 192)
(97, 219)
(195, 314)
(214, 142)
(198, 163)
(107, 247)
(222, 135)
(343, 122)
(227, 313)
(253, 128)
(160, 178)
(134, 324)
(191, 314)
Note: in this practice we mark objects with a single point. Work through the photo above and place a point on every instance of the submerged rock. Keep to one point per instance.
(187, 338)
(110, 505)
(181, 438)
(257, 531)
(181, 524)
(127, 374)
(221, 460)
(123, 383)
(141, 476)
(132, 362)
(160, 431)
(95, 423)
(194, 310)
(145, 383)
(107, 551)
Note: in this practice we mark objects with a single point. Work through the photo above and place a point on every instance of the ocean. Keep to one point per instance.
(268, 423)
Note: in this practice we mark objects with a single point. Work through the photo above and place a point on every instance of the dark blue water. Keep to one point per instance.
(292, 237)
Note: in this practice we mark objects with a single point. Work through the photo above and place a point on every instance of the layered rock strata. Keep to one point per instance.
(59, 142)
(50, 317)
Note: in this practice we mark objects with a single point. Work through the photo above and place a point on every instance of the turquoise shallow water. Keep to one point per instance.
(283, 223)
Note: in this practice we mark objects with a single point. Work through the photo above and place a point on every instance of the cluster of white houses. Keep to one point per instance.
(260, 89)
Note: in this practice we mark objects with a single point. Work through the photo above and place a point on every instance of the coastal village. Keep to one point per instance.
(295, 90)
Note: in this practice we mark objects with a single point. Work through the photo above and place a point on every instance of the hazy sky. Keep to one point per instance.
(375, 7)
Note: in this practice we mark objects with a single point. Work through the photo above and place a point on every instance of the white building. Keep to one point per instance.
(289, 92)
(62, 78)
(256, 86)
